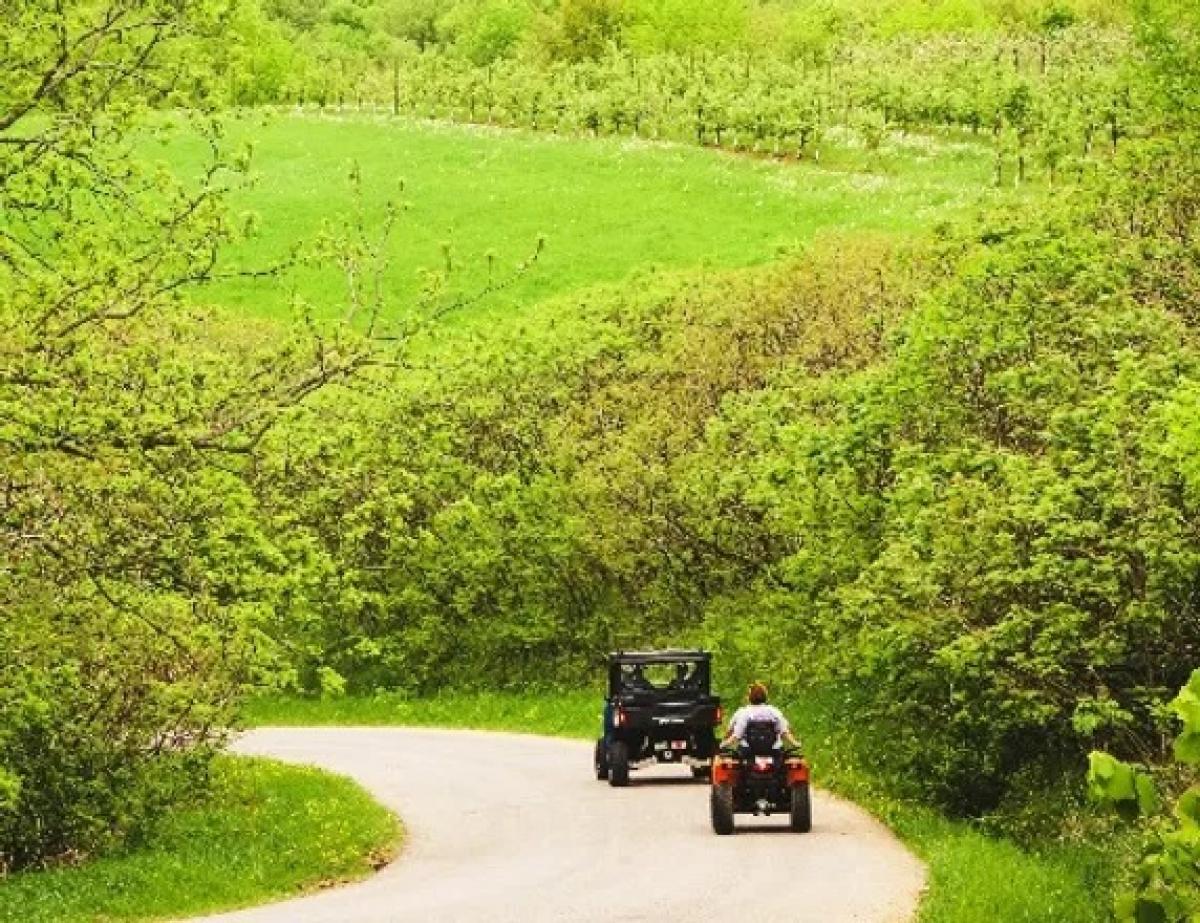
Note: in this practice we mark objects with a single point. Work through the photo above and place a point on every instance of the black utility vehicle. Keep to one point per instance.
(660, 708)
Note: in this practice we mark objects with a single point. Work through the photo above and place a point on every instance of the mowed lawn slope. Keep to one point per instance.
(606, 206)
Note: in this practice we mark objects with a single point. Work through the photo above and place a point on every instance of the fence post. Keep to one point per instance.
(395, 86)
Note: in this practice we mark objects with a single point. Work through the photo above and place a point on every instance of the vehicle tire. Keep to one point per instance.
(721, 806)
(601, 760)
(801, 808)
(702, 773)
(618, 764)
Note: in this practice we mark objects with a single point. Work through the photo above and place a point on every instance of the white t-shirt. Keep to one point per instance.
(748, 713)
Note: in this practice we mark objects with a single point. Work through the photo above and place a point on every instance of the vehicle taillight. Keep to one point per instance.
(620, 718)
(719, 715)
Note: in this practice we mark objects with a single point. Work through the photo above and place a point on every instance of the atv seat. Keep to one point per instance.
(760, 738)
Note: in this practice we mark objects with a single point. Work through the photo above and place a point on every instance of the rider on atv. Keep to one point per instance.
(757, 709)
(759, 777)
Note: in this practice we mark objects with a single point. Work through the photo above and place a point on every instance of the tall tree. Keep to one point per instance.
(130, 557)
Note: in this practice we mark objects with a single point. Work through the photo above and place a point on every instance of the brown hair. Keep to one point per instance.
(757, 694)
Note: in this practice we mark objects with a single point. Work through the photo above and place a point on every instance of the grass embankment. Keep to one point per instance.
(268, 830)
(606, 206)
(973, 877)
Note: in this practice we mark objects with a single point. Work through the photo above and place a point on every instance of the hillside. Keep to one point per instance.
(388, 350)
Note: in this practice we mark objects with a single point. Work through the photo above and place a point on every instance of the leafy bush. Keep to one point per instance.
(1166, 881)
(508, 523)
(133, 565)
(109, 717)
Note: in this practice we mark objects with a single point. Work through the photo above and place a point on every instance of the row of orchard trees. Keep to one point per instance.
(1046, 81)
(1042, 102)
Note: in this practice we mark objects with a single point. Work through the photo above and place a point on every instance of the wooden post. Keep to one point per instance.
(395, 86)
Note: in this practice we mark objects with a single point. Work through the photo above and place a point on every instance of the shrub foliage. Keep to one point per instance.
(957, 478)
(132, 563)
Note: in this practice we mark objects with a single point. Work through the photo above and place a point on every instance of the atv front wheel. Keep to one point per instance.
(801, 808)
(601, 760)
(721, 806)
(618, 764)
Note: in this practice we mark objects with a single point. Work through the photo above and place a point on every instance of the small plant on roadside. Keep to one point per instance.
(1166, 881)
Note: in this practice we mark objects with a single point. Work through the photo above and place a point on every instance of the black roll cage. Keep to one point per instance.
(701, 680)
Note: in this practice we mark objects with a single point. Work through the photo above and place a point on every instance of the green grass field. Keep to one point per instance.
(973, 877)
(268, 830)
(606, 207)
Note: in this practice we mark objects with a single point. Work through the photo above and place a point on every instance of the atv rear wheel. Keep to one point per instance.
(601, 760)
(618, 764)
(721, 807)
(801, 808)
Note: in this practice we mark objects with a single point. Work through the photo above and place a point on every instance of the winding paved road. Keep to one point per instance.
(506, 827)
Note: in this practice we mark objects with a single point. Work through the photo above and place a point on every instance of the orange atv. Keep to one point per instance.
(760, 778)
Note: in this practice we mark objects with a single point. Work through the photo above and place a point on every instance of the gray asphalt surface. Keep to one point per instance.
(506, 827)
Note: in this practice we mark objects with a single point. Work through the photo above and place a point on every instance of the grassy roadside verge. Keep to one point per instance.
(973, 877)
(269, 830)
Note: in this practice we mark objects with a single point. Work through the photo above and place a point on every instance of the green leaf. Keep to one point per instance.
(1147, 795)
(1187, 707)
(1110, 781)
(1187, 809)
(10, 789)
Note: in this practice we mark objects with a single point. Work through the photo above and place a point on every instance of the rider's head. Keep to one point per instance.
(757, 694)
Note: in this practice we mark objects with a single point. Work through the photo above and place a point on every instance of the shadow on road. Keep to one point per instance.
(766, 828)
(656, 781)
